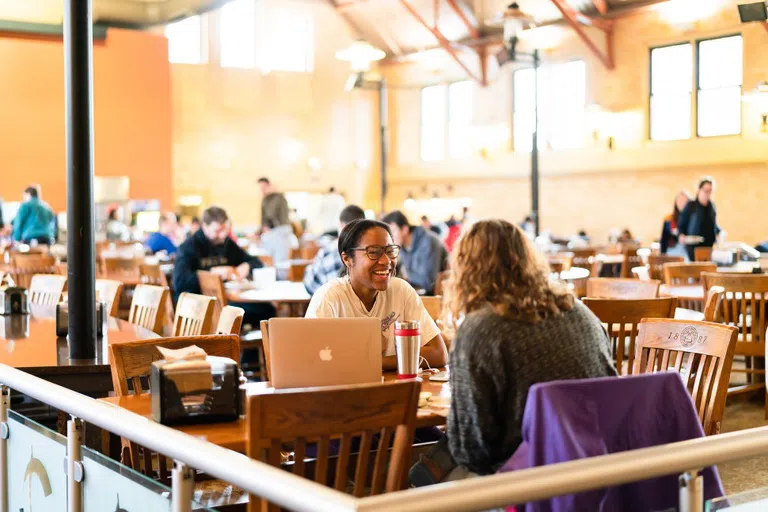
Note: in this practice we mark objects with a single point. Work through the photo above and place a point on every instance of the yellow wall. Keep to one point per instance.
(231, 126)
(594, 188)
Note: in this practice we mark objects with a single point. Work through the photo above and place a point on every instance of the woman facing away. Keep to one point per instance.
(518, 329)
(368, 289)
(669, 233)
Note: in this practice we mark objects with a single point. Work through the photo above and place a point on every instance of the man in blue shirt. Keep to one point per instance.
(162, 241)
(327, 264)
(34, 220)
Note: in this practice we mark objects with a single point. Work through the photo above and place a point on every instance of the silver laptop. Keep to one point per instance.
(309, 352)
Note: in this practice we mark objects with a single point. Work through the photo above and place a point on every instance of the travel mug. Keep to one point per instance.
(407, 346)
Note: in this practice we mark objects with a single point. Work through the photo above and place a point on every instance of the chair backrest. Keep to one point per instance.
(714, 305)
(230, 320)
(622, 317)
(152, 274)
(24, 266)
(309, 250)
(294, 254)
(148, 306)
(372, 413)
(641, 273)
(118, 265)
(560, 261)
(745, 304)
(583, 258)
(631, 260)
(702, 254)
(267, 260)
(433, 304)
(213, 286)
(194, 315)
(656, 264)
(681, 274)
(701, 351)
(296, 272)
(46, 288)
(109, 292)
(618, 288)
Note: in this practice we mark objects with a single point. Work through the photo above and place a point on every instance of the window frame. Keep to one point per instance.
(697, 85)
(692, 121)
(203, 40)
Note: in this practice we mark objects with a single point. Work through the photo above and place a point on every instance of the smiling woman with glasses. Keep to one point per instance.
(368, 288)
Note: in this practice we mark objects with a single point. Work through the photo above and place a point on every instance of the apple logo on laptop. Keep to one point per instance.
(325, 354)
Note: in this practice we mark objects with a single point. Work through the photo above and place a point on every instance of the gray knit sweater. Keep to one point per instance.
(493, 363)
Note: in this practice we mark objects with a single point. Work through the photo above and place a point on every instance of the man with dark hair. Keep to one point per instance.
(211, 249)
(423, 255)
(34, 220)
(327, 263)
(274, 206)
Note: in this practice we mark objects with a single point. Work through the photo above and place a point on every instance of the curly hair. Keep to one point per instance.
(495, 265)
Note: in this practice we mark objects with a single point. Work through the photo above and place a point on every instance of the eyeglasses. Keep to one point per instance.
(374, 252)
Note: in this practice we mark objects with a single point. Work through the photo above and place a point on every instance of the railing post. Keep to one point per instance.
(74, 465)
(182, 487)
(5, 402)
(691, 492)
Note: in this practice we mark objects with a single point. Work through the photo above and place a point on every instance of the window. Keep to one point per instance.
(671, 84)
(561, 106)
(446, 121)
(185, 41)
(718, 94)
(237, 29)
(460, 112)
(285, 38)
(433, 119)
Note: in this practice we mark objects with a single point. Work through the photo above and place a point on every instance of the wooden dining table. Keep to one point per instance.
(288, 293)
(234, 435)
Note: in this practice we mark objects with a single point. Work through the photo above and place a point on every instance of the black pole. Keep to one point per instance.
(383, 138)
(535, 148)
(78, 73)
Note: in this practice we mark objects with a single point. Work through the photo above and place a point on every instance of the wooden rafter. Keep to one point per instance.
(576, 21)
(463, 17)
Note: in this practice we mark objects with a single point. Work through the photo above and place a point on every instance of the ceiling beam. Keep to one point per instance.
(473, 31)
(601, 6)
(444, 43)
(571, 17)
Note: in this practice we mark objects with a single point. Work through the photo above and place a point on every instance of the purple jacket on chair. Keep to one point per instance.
(569, 420)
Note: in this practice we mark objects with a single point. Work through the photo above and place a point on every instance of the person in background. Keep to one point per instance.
(669, 233)
(529, 227)
(454, 232)
(626, 237)
(331, 205)
(211, 249)
(369, 289)
(163, 239)
(518, 328)
(699, 219)
(116, 230)
(427, 224)
(423, 254)
(274, 206)
(327, 264)
(33, 223)
(278, 241)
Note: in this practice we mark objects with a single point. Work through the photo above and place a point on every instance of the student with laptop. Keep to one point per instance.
(368, 289)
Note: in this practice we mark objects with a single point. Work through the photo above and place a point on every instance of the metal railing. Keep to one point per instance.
(296, 493)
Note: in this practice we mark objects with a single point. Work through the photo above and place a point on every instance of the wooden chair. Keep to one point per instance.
(617, 288)
(24, 266)
(631, 260)
(374, 413)
(560, 261)
(294, 254)
(687, 274)
(586, 258)
(622, 317)
(433, 305)
(230, 320)
(656, 264)
(213, 286)
(194, 315)
(131, 362)
(152, 274)
(46, 289)
(309, 251)
(148, 307)
(109, 292)
(296, 272)
(114, 267)
(641, 273)
(267, 261)
(701, 351)
(702, 254)
(744, 306)
(714, 305)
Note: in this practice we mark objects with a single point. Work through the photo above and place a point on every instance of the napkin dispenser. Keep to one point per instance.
(197, 391)
(62, 318)
(14, 301)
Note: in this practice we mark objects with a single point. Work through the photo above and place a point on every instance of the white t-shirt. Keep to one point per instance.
(337, 299)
